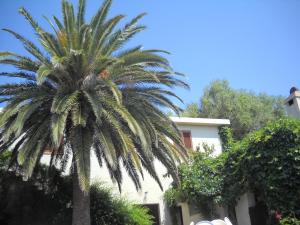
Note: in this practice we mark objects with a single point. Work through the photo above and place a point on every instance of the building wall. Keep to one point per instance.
(292, 104)
(204, 134)
(242, 208)
(293, 110)
(151, 193)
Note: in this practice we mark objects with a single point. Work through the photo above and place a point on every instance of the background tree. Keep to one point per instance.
(84, 92)
(246, 110)
(191, 110)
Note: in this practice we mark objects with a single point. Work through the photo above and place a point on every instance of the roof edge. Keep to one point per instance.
(200, 121)
(295, 94)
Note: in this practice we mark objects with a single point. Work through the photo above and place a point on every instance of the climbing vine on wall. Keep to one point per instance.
(266, 162)
(226, 137)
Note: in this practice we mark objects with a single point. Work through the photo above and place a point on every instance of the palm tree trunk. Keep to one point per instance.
(81, 203)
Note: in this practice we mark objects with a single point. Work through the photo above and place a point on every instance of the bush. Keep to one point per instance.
(267, 162)
(115, 211)
(31, 202)
(173, 195)
(200, 183)
(46, 199)
(289, 221)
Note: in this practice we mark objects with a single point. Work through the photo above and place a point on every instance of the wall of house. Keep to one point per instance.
(242, 208)
(151, 193)
(294, 109)
(204, 134)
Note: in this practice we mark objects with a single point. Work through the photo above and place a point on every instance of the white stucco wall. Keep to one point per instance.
(204, 134)
(150, 192)
(242, 208)
(294, 109)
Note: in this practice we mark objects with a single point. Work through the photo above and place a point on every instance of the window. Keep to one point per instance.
(187, 138)
(291, 102)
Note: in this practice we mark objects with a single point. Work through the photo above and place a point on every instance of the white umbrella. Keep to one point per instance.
(218, 222)
(227, 221)
(204, 223)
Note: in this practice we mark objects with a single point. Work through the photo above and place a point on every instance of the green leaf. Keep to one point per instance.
(64, 102)
(6, 54)
(79, 116)
(58, 124)
(42, 74)
(81, 141)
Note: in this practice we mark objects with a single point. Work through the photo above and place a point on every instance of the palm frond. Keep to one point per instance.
(81, 141)
(80, 13)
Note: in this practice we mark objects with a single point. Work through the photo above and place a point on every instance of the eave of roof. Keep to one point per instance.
(200, 121)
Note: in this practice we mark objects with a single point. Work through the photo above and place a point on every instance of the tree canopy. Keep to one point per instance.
(246, 110)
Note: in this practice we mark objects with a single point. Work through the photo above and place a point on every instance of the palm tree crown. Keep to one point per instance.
(83, 92)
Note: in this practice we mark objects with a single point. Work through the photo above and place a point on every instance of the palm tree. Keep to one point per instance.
(83, 92)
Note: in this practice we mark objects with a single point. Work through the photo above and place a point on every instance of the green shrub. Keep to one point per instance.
(226, 137)
(289, 221)
(23, 203)
(267, 162)
(138, 215)
(172, 196)
(46, 199)
(200, 183)
(115, 211)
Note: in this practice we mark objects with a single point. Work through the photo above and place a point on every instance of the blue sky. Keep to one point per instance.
(255, 44)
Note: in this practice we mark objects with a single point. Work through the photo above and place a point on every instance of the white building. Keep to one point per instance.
(195, 133)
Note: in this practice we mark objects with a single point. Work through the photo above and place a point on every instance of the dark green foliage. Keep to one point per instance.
(266, 162)
(201, 183)
(174, 195)
(115, 211)
(246, 110)
(226, 137)
(201, 179)
(36, 201)
(290, 220)
(46, 199)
